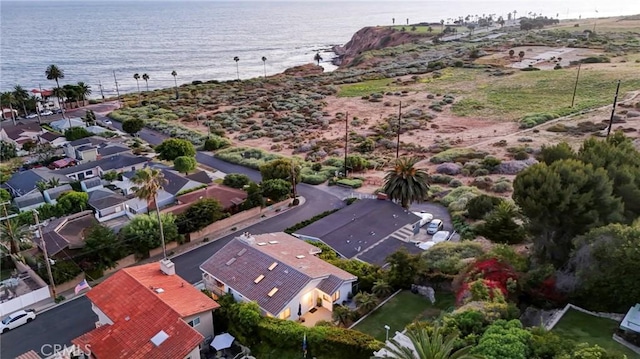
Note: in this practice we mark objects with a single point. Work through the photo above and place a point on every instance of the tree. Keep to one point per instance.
(72, 202)
(110, 176)
(136, 77)
(403, 268)
(76, 133)
(264, 65)
(8, 99)
(357, 163)
(405, 183)
(504, 339)
(521, 55)
(237, 59)
(213, 143)
(44, 152)
(276, 189)
(428, 343)
(21, 97)
(175, 81)
(148, 182)
(14, 232)
(563, 200)
(143, 233)
(500, 225)
(133, 125)
(199, 215)
(89, 118)
(366, 302)
(381, 289)
(317, 58)
(146, 77)
(83, 91)
(5, 196)
(551, 154)
(478, 207)
(280, 169)
(185, 164)
(254, 197)
(7, 150)
(236, 180)
(173, 148)
(72, 92)
(53, 72)
(102, 249)
(342, 314)
(511, 53)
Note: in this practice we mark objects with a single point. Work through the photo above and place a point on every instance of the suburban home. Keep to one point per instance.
(54, 139)
(47, 101)
(170, 317)
(62, 163)
(63, 237)
(20, 133)
(118, 163)
(631, 321)
(229, 198)
(25, 182)
(91, 184)
(110, 150)
(175, 183)
(64, 124)
(279, 272)
(107, 204)
(28, 202)
(93, 148)
(368, 229)
(8, 113)
(51, 195)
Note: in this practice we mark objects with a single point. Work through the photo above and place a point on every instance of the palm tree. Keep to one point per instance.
(317, 58)
(60, 94)
(7, 98)
(53, 72)
(145, 77)
(174, 74)
(381, 289)
(425, 345)
(148, 182)
(136, 76)
(342, 314)
(21, 96)
(264, 64)
(405, 183)
(365, 301)
(83, 91)
(13, 232)
(236, 59)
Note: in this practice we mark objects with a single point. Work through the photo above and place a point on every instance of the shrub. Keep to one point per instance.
(441, 179)
(236, 180)
(455, 183)
(532, 120)
(449, 168)
(448, 257)
(490, 163)
(76, 133)
(521, 155)
(456, 155)
(502, 186)
(313, 179)
(213, 143)
(350, 182)
(307, 222)
(480, 172)
(479, 206)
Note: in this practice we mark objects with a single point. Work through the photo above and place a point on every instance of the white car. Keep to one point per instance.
(32, 115)
(425, 245)
(17, 319)
(434, 226)
(424, 217)
(108, 122)
(47, 113)
(441, 236)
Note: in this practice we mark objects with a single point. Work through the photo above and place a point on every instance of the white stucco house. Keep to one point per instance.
(279, 272)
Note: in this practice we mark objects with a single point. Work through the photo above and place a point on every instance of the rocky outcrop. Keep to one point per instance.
(371, 38)
(304, 70)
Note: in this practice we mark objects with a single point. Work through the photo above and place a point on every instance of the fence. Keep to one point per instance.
(559, 314)
(122, 263)
(71, 284)
(29, 298)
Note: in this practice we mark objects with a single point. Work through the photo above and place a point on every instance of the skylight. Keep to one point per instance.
(273, 242)
(273, 291)
(260, 277)
(300, 256)
(262, 243)
(242, 251)
(273, 265)
(230, 261)
(159, 338)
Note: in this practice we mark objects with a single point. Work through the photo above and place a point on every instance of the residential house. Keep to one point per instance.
(279, 272)
(631, 321)
(25, 182)
(47, 101)
(118, 163)
(64, 124)
(62, 163)
(8, 113)
(51, 195)
(175, 183)
(107, 204)
(20, 133)
(84, 149)
(54, 139)
(91, 184)
(229, 198)
(29, 202)
(110, 150)
(170, 317)
(368, 229)
(63, 237)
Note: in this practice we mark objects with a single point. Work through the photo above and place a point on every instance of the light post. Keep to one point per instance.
(386, 327)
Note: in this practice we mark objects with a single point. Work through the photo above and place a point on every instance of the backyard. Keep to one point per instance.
(402, 310)
(583, 327)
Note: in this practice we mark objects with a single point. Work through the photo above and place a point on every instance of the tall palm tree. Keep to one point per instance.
(425, 345)
(381, 289)
(317, 58)
(60, 94)
(365, 301)
(53, 72)
(341, 314)
(8, 99)
(145, 77)
(148, 182)
(236, 59)
(136, 76)
(83, 91)
(264, 64)
(13, 232)
(405, 183)
(21, 96)
(174, 74)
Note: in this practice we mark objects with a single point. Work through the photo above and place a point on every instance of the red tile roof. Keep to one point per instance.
(227, 196)
(139, 313)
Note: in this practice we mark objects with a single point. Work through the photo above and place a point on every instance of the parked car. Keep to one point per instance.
(59, 110)
(434, 226)
(441, 236)
(424, 217)
(47, 113)
(425, 245)
(17, 319)
(32, 115)
(108, 122)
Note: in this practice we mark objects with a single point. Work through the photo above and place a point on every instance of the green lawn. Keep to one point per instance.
(366, 88)
(402, 310)
(583, 327)
(419, 29)
(5, 273)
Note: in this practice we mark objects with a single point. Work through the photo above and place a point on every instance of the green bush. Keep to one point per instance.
(441, 179)
(502, 186)
(245, 156)
(480, 172)
(313, 179)
(76, 133)
(213, 143)
(236, 180)
(448, 257)
(351, 182)
(456, 155)
(532, 120)
(480, 206)
(307, 222)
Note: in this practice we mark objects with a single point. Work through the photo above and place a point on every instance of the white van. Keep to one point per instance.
(424, 217)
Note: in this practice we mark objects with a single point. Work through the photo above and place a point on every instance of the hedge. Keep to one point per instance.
(307, 222)
(351, 182)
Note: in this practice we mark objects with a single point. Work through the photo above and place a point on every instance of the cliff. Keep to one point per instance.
(371, 38)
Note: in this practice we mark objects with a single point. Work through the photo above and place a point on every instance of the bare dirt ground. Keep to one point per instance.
(542, 57)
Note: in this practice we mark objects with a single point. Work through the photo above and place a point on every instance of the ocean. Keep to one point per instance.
(92, 40)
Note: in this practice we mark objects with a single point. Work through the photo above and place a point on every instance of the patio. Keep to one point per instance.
(310, 319)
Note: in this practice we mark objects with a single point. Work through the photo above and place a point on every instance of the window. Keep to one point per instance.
(272, 292)
(89, 173)
(133, 168)
(194, 322)
(325, 297)
(285, 314)
(336, 295)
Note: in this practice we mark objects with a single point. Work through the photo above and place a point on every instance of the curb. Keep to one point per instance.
(55, 305)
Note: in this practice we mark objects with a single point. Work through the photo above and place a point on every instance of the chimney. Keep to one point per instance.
(246, 237)
(167, 267)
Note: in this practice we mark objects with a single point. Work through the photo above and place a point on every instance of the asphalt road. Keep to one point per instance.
(61, 324)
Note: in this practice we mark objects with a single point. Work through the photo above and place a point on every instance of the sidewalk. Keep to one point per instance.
(69, 295)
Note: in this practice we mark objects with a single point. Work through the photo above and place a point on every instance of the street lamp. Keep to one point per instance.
(386, 327)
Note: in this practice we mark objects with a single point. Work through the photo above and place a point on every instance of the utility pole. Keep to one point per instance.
(7, 217)
(39, 226)
(613, 109)
(100, 86)
(346, 142)
(293, 179)
(399, 126)
(575, 87)
(117, 89)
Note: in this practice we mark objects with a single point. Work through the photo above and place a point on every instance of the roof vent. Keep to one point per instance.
(272, 292)
(260, 277)
(167, 267)
(273, 265)
(247, 238)
(242, 251)
(262, 244)
(273, 242)
(159, 338)
(159, 290)
(230, 261)
(300, 256)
